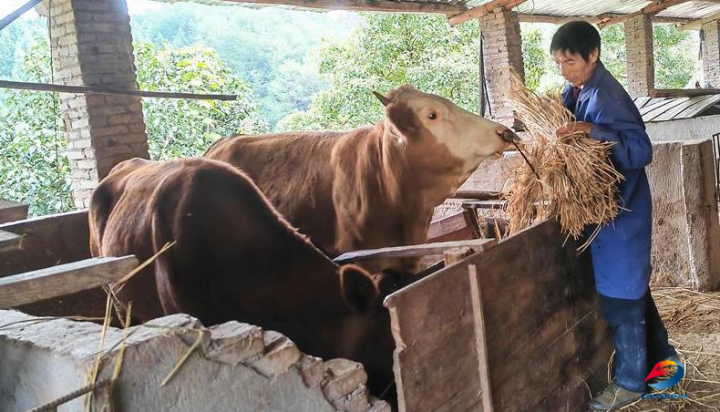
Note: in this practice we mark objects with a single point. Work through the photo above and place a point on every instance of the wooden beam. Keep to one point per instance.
(12, 211)
(682, 92)
(413, 250)
(366, 5)
(482, 10)
(652, 9)
(697, 24)
(9, 241)
(17, 13)
(61, 280)
(603, 18)
(58, 88)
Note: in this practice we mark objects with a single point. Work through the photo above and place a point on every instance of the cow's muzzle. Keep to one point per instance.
(509, 136)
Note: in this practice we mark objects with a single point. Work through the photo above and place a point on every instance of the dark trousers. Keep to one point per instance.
(639, 337)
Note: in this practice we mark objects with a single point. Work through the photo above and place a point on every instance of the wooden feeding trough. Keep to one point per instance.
(507, 326)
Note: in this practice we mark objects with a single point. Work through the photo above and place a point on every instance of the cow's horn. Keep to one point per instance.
(384, 100)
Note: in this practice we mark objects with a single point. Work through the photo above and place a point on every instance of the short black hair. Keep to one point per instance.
(576, 37)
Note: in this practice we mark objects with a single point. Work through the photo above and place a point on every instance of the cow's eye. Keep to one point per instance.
(432, 115)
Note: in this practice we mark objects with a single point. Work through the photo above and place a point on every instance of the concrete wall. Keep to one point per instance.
(686, 232)
(684, 129)
(237, 367)
(711, 54)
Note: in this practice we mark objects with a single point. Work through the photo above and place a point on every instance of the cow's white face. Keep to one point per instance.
(467, 136)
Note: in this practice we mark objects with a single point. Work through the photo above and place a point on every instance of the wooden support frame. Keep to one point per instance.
(61, 280)
(529, 308)
(601, 19)
(58, 88)
(482, 10)
(682, 92)
(413, 250)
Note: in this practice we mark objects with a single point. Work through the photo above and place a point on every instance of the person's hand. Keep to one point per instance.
(574, 127)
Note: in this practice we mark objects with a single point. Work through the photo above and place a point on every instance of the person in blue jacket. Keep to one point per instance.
(621, 251)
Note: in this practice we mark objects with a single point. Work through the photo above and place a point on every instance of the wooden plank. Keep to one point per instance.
(542, 329)
(695, 110)
(455, 255)
(437, 248)
(673, 113)
(61, 280)
(483, 9)
(17, 13)
(484, 204)
(9, 241)
(649, 116)
(47, 241)
(682, 92)
(58, 88)
(449, 228)
(480, 340)
(11, 211)
(476, 195)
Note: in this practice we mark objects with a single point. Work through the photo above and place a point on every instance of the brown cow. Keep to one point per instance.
(236, 259)
(374, 186)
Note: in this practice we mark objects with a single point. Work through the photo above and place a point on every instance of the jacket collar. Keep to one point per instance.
(593, 82)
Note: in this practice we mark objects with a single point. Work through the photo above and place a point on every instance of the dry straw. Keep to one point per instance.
(573, 179)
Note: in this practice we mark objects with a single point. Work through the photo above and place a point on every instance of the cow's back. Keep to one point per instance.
(295, 171)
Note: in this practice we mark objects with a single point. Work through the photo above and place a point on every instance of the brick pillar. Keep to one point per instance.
(640, 59)
(502, 49)
(92, 46)
(711, 54)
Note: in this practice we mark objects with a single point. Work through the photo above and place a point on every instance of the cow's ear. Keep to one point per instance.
(384, 100)
(358, 288)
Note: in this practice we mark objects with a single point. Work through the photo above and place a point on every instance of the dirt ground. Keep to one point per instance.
(693, 322)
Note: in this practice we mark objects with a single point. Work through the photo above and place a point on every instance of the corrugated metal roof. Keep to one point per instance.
(674, 108)
(560, 8)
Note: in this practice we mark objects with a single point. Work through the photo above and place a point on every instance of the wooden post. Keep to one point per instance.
(480, 340)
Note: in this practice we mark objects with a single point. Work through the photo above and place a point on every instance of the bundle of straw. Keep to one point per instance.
(569, 178)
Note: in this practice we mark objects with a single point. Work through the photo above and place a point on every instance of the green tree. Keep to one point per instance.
(613, 53)
(535, 57)
(675, 57)
(387, 51)
(33, 166)
(182, 128)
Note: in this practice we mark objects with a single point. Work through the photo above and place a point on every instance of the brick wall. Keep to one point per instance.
(92, 46)
(502, 49)
(711, 54)
(640, 60)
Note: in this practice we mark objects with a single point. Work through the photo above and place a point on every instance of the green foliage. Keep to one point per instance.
(268, 48)
(183, 128)
(535, 58)
(613, 53)
(33, 166)
(387, 51)
(675, 56)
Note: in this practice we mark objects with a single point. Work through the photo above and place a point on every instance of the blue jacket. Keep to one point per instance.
(621, 251)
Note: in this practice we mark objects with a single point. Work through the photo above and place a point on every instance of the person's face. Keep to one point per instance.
(573, 67)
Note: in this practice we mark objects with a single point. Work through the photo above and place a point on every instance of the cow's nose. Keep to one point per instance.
(509, 136)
